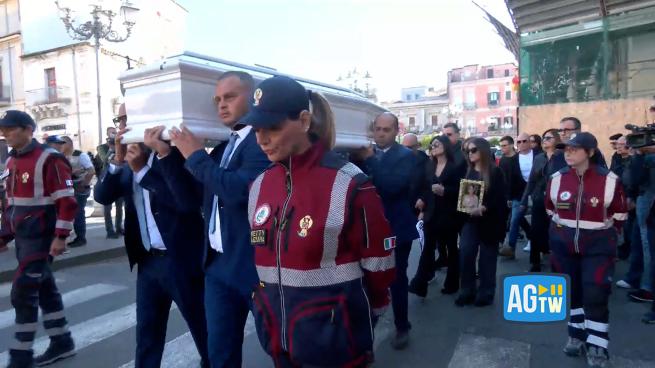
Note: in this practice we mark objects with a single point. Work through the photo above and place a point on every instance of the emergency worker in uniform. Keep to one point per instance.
(587, 204)
(39, 216)
(323, 248)
(83, 172)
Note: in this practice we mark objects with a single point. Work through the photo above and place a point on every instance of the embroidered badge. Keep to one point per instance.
(389, 243)
(262, 214)
(25, 177)
(594, 201)
(563, 206)
(305, 224)
(258, 237)
(69, 183)
(258, 96)
(565, 196)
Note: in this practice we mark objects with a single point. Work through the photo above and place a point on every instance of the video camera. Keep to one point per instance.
(641, 136)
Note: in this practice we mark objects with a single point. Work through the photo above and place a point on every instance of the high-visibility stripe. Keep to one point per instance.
(597, 326)
(23, 201)
(39, 188)
(577, 311)
(555, 183)
(579, 326)
(56, 331)
(61, 224)
(26, 327)
(587, 225)
(53, 316)
(311, 278)
(598, 341)
(336, 213)
(69, 192)
(610, 187)
(377, 264)
(253, 197)
(21, 345)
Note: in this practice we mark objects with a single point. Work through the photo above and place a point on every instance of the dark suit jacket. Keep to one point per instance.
(178, 219)
(236, 265)
(392, 177)
(442, 210)
(419, 175)
(511, 168)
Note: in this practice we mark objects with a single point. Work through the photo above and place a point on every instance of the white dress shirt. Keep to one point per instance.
(215, 240)
(156, 240)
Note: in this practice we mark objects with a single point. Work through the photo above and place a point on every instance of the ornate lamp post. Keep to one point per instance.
(98, 28)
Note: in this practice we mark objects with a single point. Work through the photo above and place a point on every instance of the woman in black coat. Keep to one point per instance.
(483, 229)
(439, 202)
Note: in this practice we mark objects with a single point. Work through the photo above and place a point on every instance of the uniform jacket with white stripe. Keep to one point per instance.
(40, 199)
(593, 201)
(319, 232)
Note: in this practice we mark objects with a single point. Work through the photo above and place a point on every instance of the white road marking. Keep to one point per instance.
(71, 298)
(5, 288)
(182, 352)
(474, 351)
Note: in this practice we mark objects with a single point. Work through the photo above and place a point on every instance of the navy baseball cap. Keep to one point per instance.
(55, 139)
(16, 118)
(274, 100)
(581, 140)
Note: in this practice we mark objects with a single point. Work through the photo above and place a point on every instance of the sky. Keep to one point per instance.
(402, 43)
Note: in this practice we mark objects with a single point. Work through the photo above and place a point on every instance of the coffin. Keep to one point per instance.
(181, 89)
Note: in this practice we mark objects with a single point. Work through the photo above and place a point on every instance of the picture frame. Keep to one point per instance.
(468, 200)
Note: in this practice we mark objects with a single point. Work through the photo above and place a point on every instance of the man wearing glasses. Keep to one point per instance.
(451, 130)
(568, 127)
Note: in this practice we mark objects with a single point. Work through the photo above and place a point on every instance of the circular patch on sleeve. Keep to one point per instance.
(565, 196)
(262, 214)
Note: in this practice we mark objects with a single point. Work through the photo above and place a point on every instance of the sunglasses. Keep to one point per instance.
(473, 150)
(435, 145)
(547, 138)
(449, 134)
(566, 130)
(522, 141)
(117, 120)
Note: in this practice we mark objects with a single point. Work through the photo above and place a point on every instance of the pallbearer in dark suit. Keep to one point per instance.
(163, 235)
(225, 174)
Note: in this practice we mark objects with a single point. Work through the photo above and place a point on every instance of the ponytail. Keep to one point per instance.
(322, 126)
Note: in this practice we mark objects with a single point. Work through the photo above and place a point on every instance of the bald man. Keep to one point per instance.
(517, 178)
(410, 140)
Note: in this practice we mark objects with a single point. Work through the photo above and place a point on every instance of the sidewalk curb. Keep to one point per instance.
(103, 255)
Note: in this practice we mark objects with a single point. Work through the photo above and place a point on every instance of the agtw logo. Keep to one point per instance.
(536, 297)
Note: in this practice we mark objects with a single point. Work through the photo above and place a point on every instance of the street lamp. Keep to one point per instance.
(99, 28)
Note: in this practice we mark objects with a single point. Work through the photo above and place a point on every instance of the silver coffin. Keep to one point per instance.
(180, 90)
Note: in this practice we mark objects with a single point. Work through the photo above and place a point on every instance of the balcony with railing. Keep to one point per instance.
(49, 102)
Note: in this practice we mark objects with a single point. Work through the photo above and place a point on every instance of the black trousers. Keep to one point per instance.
(158, 285)
(470, 244)
(446, 241)
(539, 229)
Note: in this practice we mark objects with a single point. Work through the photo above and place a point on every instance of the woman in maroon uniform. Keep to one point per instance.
(585, 201)
(323, 248)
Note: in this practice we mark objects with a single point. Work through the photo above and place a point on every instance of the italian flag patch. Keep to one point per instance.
(389, 243)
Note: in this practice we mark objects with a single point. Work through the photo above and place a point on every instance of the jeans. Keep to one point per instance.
(80, 217)
(643, 206)
(517, 219)
(469, 244)
(399, 288)
(636, 268)
(109, 224)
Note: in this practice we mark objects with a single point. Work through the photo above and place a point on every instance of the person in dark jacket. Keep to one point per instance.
(615, 161)
(410, 140)
(390, 166)
(440, 191)
(535, 190)
(451, 130)
(484, 228)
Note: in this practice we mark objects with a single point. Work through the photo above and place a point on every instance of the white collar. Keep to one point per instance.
(243, 132)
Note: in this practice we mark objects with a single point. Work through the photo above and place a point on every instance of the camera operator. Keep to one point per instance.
(106, 152)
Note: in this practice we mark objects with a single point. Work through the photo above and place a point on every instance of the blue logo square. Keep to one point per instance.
(536, 297)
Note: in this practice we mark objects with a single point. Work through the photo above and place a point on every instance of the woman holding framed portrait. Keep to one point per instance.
(482, 199)
(441, 225)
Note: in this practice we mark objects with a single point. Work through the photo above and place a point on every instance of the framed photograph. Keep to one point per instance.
(471, 193)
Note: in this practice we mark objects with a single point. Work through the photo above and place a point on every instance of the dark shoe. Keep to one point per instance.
(56, 351)
(441, 262)
(641, 296)
(401, 340)
(648, 318)
(121, 232)
(574, 347)
(463, 300)
(483, 302)
(418, 288)
(20, 359)
(77, 243)
(449, 290)
(597, 357)
(112, 236)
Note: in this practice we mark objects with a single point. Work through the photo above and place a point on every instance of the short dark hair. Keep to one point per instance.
(244, 77)
(652, 108)
(615, 136)
(536, 138)
(451, 125)
(576, 122)
(67, 139)
(396, 124)
(508, 139)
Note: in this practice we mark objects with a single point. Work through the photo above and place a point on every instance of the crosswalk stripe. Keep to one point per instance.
(473, 351)
(71, 298)
(91, 331)
(182, 352)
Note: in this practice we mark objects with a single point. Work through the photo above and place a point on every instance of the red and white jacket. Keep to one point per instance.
(594, 201)
(323, 248)
(40, 199)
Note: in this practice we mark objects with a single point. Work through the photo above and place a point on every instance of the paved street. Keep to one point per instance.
(100, 306)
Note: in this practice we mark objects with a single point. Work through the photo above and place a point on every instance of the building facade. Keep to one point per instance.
(483, 99)
(12, 95)
(425, 115)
